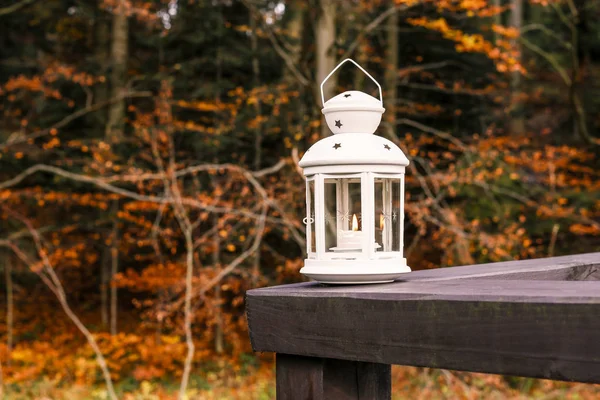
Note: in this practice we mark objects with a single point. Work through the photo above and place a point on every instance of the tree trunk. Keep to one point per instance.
(119, 53)
(391, 72)
(216, 256)
(258, 137)
(9, 305)
(104, 284)
(115, 130)
(517, 123)
(497, 18)
(101, 48)
(362, 57)
(114, 268)
(577, 100)
(295, 29)
(325, 43)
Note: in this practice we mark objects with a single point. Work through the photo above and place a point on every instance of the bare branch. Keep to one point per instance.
(374, 24)
(15, 7)
(278, 49)
(547, 31)
(548, 57)
(57, 288)
(433, 131)
(99, 182)
(17, 138)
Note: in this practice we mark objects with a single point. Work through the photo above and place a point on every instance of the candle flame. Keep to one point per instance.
(381, 223)
(354, 223)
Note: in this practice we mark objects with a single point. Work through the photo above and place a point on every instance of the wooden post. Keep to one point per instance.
(313, 378)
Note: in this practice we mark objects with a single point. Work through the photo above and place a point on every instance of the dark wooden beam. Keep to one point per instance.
(312, 378)
(475, 322)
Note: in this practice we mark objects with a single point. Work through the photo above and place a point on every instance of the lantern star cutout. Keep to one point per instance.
(387, 147)
(347, 95)
(338, 123)
(337, 146)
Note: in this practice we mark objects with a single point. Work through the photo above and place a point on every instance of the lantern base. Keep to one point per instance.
(355, 272)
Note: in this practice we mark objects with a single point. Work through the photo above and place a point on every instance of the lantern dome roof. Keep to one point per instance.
(353, 112)
(353, 148)
(353, 99)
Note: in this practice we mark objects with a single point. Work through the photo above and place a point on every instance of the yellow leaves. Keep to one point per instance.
(472, 43)
(52, 143)
(257, 121)
(200, 105)
(504, 53)
(439, 25)
(508, 32)
(581, 229)
(19, 155)
(223, 233)
(170, 339)
(230, 247)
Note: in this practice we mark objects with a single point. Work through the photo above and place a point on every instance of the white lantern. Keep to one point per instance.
(354, 195)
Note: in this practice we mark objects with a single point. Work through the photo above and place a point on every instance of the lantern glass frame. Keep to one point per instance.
(309, 221)
(320, 213)
(342, 196)
(389, 215)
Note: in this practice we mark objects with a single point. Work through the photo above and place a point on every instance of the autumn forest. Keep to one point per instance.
(149, 172)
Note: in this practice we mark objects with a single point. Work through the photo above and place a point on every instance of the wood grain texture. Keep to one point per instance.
(476, 322)
(299, 378)
(568, 268)
(308, 378)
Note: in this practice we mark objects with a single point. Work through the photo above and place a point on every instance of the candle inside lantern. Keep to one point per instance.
(351, 240)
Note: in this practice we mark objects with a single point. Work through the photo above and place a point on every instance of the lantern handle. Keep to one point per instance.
(359, 67)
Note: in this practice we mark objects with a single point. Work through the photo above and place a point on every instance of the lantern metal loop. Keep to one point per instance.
(357, 66)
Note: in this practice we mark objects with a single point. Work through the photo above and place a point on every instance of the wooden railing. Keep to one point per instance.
(536, 318)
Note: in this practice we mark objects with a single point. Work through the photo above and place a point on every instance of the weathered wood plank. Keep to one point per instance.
(529, 328)
(308, 378)
(485, 290)
(567, 268)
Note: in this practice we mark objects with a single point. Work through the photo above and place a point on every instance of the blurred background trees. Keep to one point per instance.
(149, 156)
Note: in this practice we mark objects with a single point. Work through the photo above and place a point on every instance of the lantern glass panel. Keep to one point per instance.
(330, 212)
(387, 214)
(310, 219)
(343, 222)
